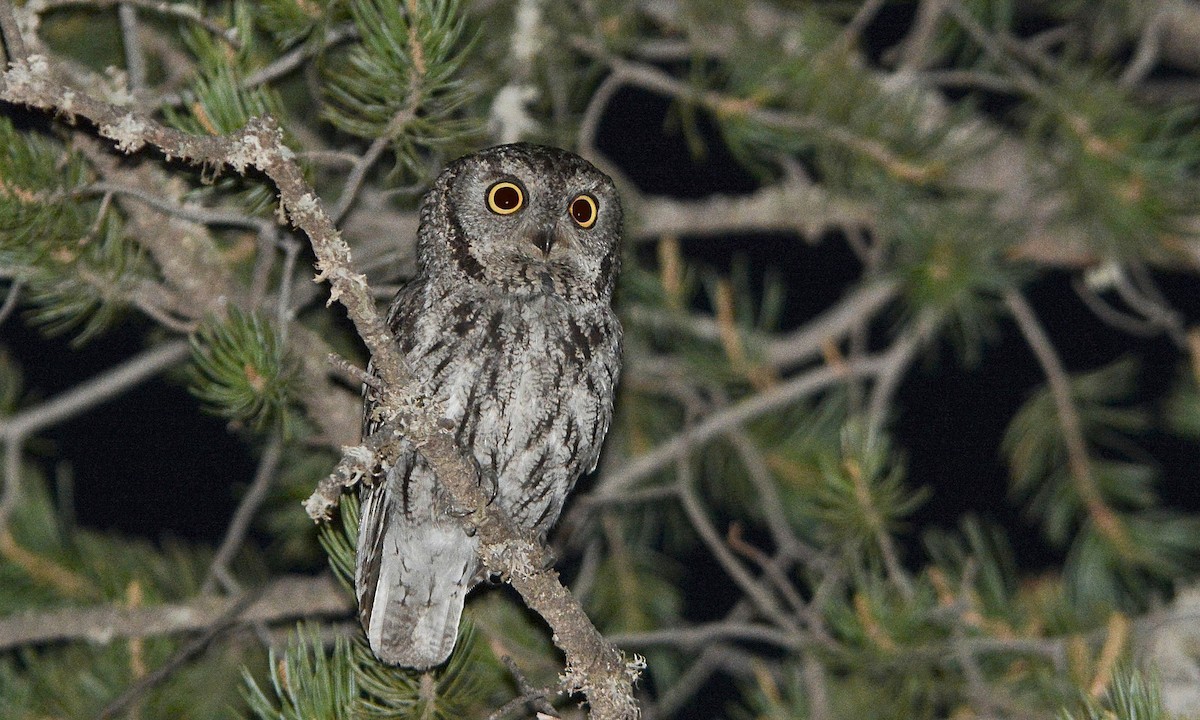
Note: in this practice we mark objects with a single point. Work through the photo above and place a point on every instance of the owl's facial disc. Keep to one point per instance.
(529, 221)
(546, 241)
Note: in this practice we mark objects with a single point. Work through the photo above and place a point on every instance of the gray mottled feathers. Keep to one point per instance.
(413, 574)
(509, 324)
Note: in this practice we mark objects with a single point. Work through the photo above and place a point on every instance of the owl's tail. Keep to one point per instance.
(412, 577)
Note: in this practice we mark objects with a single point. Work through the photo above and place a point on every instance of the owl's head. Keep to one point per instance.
(526, 220)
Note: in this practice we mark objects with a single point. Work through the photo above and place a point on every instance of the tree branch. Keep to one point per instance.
(285, 599)
(135, 61)
(14, 429)
(95, 391)
(1079, 463)
(617, 483)
(791, 206)
(697, 515)
(10, 299)
(182, 11)
(594, 667)
(160, 674)
(235, 534)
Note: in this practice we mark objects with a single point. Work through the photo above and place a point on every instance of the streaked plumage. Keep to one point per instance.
(509, 322)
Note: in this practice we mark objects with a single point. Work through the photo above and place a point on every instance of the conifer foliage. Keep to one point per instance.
(1002, 190)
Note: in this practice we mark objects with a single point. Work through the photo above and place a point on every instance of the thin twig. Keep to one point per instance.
(695, 636)
(293, 59)
(100, 388)
(862, 18)
(14, 43)
(813, 673)
(914, 49)
(901, 356)
(264, 263)
(13, 448)
(1130, 324)
(393, 129)
(10, 299)
(1045, 40)
(889, 553)
(977, 79)
(182, 11)
(521, 702)
(787, 351)
(768, 497)
(46, 571)
(715, 657)
(589, 565)
(710, 660)
(770, 567)
(1148, 48)
(698, 518)
(651, 78)
(807, 342)
(532, 698)
(357, 174)
(235, 534)
(16, 428)
(589, 124)
(1141, 277)
(791, 206)
(663, 50)
(358, 463)
(630, 497)
(283, 305)
(1145, 298)
(193, 213)
(999, 51)
(352, 373)
(163, 317)
(135, 61)
(786, 393)
(1079, 463)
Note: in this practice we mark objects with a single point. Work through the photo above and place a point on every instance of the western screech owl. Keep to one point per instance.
(509, 323)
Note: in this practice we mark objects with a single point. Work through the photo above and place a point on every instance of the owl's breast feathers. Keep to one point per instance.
(528, 385)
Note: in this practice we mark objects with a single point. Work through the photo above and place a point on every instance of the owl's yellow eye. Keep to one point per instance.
(505, 198)
(583, 211)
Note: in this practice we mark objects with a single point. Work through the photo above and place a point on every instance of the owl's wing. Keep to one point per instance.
(414, 568)
(414, 564)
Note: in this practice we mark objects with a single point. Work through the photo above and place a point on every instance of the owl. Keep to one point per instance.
(509, 325)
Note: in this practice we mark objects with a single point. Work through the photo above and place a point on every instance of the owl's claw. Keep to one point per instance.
(457, 512)
(492, 483)
(486, 480)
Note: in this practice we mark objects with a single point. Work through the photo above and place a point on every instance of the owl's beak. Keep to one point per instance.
(543, 240)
